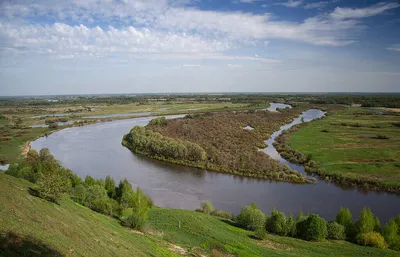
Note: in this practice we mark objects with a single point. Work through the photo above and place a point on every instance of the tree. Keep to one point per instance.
(336, 231)
(313, 228)
(206, 207)
(53, 183)
(276, 223)
(391, 234)
(97, 199)
(110, 187)
(377, 225)
(125, 194)
(365, 222)
(79, 193)
(345, 219)
(251, 217)
(291, 226)
(89, 181)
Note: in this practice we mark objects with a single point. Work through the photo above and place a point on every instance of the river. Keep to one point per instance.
(96, 150)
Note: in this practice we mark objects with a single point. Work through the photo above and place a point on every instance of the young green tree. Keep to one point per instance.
(345, 219)
(276, 223)
(313, 228)
(110, 187)
(366, 221)
(377, 225)
(89, 181)
(291, 226)
(55, 182)
(251, 217)
(336, 231)
(391, 234)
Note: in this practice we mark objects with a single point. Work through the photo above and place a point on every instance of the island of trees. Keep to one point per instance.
(217, 142)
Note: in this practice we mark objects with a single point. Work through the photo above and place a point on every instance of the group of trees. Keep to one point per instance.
(144, 140)
(103, 196)
(218, 142)
(366, 230)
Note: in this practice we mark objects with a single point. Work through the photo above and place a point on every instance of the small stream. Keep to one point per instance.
(96, 150)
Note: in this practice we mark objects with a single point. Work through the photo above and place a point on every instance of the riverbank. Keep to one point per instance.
(226, 145)
(352, 147)
(32, 225)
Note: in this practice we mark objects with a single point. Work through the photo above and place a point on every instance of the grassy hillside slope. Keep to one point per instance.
(41, 228)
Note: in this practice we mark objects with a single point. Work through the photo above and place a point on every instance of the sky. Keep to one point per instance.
(158, 46)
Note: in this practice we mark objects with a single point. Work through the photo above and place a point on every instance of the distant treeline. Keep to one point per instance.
(364, 99)
(217, 142)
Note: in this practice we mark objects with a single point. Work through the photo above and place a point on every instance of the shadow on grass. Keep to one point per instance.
(15, 245)
(36, 193)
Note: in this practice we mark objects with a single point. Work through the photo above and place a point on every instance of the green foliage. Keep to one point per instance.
(373, 239)
(76, 180)
(125, 194)
(291, 226)
(260, 233)
(78, 193)
(391, 233)
(97, 199)
(221, 214)
(251, 217)
(141, 139)
(345, 219)
(377, 225)
(206, 207)
(313, 228)
(276, 223)
(135, 221)
(161, 121)
(336, 231)
(110, 187)
(89, 181)
(365, 222)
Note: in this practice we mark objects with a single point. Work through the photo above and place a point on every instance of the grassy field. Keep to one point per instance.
(40, 228)
(356, 143)
(12, 138)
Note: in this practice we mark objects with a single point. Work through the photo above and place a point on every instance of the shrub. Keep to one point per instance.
(162, 121)
(222, 214)
(276, 223)
(97, 199)
(380, 136)
(76, 180)
(336, 231)
(135, 221)
(53, 125)
(377, 225)
(391, 234)
(373, 239)
(291, 226)
(251, 217)
(260, 233)
(206, 207)
(312, 229)
(89, 181)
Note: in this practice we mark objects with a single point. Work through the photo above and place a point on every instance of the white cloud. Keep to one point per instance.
(395, 47)
(350, 13)
(319, 5)
(291, 3)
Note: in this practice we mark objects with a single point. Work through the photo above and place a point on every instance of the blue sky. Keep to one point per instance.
(148, 46)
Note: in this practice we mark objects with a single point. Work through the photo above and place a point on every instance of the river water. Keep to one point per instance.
(96, 150)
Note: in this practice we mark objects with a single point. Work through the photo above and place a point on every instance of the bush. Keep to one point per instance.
(276, 223)
(251, 217)
(222, 214)
(391, 234)
(110, 187)
(373, 239)
(135, 221)
(260, 233)
(162, 121)
(79, 194)
(55, 182)
(89, 181)
(312, 229)
(380, 136)
(206, 207)
(97, 199)
(291, 226)
(336, 231)
(53, 125)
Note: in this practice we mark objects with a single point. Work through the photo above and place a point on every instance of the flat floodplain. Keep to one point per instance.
(357, 143)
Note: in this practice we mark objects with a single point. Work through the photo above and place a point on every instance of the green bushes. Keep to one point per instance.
(313, 228)
(276, 223)
(162, 121)
(373, 239)
(221, 214)
(206, 207)
(251, 217)
(391, 233)
(345, 219)
(336, 231)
